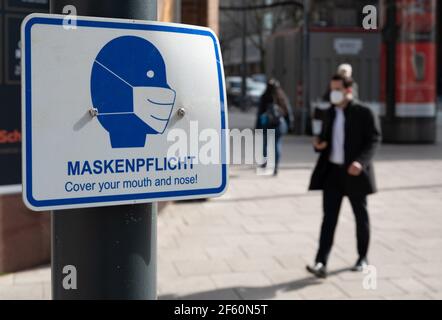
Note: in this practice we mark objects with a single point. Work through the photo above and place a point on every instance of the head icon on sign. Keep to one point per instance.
(130, 91)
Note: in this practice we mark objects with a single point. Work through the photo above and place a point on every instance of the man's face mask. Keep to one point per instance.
(154, 106)
(336, 97)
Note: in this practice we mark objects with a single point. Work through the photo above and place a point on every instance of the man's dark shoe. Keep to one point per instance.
(319, 270)
(360, 265)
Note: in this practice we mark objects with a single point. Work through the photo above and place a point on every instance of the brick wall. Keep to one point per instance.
(24, 235)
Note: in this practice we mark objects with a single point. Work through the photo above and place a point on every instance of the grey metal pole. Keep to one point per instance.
(306, 67)
(113, 249)
(178, 13)
(244, 57)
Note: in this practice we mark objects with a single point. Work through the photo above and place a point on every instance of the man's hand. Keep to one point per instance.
(355, 169)
(319, 145)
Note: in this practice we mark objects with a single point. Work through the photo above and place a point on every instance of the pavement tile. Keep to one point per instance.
(34, 291)
(244, 279)
(391, 271)
(225, 252)
(410, 285)
(256, 264)
(436, 296)
(223, 294)
(356, 288)
(259, 251)
(288, 295)
(174, 254)
(435, 283)
(428, 268)
(322, 291)
(288, 276)
(33, 276)
(201, 267)
(292, 261)
(245, 239)
(166, 270)
(410, 297)
(6, 280)
(264, 228)
(185, 286)
(268, 293)
(47, 291)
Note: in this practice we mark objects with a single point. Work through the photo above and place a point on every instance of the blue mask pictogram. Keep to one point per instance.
(130, 91)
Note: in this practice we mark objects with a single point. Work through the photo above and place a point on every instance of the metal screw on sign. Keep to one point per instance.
(93, 112)
(181, 112)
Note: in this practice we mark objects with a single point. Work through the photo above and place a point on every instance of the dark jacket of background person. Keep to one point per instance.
(275, 94)
(362, 137)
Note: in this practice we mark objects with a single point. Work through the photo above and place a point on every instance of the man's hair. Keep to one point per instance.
(347, 82)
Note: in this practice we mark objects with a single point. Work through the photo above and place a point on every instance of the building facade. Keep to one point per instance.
(249, 23)
(195, 12)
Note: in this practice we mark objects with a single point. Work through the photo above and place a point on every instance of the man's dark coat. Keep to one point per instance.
(362, 137)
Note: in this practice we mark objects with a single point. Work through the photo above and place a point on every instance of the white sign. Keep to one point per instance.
(348, 46)
(105, 105)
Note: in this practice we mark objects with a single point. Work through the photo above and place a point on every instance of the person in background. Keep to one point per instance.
(347, 144)
(346, 70)
(274, 112)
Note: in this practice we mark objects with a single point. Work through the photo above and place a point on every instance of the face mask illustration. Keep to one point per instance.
(154, 106)
(336, 97)
(130, 91)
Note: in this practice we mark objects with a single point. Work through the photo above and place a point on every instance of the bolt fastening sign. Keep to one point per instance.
(120, 112)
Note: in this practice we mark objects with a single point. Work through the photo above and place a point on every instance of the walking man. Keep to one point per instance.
(347, 145)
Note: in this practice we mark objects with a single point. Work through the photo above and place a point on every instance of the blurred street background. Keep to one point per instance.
(254, 241)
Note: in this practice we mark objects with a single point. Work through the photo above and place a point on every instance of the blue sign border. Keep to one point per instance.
(114, 198)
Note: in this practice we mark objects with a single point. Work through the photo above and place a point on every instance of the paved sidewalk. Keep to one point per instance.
(254, 242)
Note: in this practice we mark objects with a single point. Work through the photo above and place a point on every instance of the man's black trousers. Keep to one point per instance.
(333, 194)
